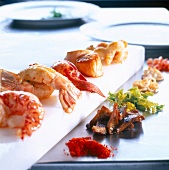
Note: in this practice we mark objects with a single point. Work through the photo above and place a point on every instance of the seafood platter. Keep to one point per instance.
(140, 146)
(42, 102)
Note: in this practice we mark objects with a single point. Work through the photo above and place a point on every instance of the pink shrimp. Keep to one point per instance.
(22, 111)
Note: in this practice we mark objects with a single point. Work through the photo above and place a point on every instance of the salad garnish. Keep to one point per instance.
(135, 99)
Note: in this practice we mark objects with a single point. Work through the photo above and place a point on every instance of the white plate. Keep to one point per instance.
(138, 33)
(38, 13)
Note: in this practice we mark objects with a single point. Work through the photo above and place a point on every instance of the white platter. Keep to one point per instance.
(38, 13)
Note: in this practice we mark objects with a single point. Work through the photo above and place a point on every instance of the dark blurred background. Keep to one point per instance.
(115, 3)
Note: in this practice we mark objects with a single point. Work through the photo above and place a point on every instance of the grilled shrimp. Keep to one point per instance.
(22, 111)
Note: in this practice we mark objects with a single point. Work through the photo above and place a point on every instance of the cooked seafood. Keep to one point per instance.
(87, 62)
(114, 121)
(160, 63)
(9, 80)
(69, 70)
(90, 65)
(20, 110)
(72, 56)
(148, 84)
(90, 60)
(68, 93)
(153, 72)
(42, 81)
(12, 81)
(114, 52)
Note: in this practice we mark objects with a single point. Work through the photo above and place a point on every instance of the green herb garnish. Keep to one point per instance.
(53, 15)
(56, 14)
(135, 99)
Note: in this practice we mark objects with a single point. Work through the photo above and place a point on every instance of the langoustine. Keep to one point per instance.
(22, 111)
(69, 70)
(42, 81)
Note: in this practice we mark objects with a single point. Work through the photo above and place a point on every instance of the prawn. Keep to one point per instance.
(40, 74)
(41, 81)
(22, 111)
(12, 81)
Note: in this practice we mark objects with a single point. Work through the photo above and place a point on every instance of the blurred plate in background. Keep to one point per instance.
(40, 13)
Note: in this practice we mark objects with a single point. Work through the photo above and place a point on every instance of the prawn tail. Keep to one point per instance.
(9, 80)
(68, 97)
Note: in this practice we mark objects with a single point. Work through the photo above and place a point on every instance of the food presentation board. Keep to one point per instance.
(16, 55)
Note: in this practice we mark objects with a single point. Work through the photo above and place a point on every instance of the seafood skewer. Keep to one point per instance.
(69, 70)
(42, 81)
(22, 111)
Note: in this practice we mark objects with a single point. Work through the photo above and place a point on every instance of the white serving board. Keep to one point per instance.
(15, 55)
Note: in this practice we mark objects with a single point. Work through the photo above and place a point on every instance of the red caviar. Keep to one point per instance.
(85, 146)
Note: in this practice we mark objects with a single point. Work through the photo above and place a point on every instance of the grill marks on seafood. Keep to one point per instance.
(22, 111)
(108, 121)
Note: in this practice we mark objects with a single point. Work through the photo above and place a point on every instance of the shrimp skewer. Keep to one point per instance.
(22, 111)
